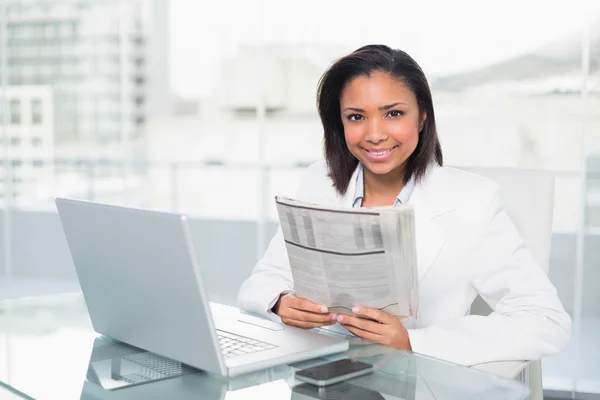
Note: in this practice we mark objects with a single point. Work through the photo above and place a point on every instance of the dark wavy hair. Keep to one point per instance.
(362, 62)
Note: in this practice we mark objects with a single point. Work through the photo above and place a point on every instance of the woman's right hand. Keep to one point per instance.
(302, 313)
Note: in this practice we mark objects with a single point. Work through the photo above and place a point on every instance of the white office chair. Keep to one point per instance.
(528, 198)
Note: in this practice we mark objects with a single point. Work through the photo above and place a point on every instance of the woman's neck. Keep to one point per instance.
(382, 190)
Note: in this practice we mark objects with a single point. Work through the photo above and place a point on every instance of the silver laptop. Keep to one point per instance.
(142, 286)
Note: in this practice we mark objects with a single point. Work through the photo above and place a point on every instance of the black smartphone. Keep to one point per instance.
(334, 372)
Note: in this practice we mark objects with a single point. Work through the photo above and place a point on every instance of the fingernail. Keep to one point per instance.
(340, 318)
(355, 310)
(323, 309)
(333, 317)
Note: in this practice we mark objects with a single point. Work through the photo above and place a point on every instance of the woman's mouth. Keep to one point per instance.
(380, 154)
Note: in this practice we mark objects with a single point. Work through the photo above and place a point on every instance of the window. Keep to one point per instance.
(36, 111)
(38, 163)
(15, 112)
(15, 141)
(36, 141)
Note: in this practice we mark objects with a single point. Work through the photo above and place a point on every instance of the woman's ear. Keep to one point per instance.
(422, 121)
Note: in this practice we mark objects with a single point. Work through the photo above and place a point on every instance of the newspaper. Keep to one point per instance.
(345, 257)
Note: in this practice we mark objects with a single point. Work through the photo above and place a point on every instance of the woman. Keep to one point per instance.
(382, 149)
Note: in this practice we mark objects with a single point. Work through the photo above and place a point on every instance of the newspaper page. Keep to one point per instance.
(345, 257)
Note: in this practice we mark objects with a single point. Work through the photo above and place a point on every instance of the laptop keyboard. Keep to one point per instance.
(235, 345)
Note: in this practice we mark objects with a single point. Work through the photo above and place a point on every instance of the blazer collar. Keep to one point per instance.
(428, 195)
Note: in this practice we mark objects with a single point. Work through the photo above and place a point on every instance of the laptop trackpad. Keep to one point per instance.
(263, 323)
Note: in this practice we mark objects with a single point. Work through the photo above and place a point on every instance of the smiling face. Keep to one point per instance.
(382, 121)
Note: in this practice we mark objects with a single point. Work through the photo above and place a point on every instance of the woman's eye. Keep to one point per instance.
(395, 113)
(354, 117)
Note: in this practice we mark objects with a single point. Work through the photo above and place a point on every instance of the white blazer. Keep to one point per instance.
(466, 245)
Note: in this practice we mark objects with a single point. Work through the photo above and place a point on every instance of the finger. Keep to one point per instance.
(361, 323)
(306, 305)
(365, 334)
(299, 315)
(305, 324)
(372, 313)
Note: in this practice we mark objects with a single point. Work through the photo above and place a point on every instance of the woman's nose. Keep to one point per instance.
(375, 133)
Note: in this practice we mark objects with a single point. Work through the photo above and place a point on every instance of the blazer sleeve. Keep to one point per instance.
(272, 274)
(528, 320)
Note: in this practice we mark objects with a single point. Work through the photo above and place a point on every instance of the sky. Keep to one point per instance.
(443, 36)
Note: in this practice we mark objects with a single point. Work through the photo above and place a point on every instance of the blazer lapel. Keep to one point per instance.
(429, 206)
(429, 237)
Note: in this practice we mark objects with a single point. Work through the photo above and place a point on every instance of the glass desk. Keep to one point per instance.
(48, 350)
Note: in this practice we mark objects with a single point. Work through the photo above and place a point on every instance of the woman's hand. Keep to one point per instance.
(387, 330)
(302, 313)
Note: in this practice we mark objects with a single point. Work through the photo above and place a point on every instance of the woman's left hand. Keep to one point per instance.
(387, 330)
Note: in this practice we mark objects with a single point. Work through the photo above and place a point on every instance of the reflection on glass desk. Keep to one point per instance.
(346, 391)
(48, 350)
(130, 366)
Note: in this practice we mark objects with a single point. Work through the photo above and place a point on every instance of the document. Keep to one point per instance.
(345, 257)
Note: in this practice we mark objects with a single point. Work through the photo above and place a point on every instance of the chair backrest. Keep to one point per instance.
(528, 198)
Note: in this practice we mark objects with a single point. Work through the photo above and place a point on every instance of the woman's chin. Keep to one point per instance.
(381, 168)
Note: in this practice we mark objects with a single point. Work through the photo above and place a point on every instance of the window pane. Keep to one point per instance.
(15, 112)
(36, 111)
